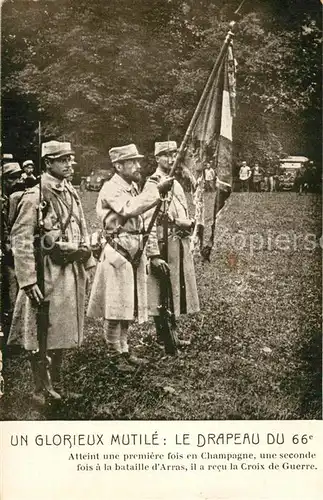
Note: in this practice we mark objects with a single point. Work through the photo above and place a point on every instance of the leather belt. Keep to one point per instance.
(122, 251)
(115, 233)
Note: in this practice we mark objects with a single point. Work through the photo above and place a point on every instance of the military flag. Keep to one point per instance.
(209, 141)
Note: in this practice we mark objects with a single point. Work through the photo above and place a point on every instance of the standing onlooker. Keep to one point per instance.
(69, 178)
(27, 176)
(276, 169)
(271, 177)
(180, 260)
(209, 178)
(256, 178)
(244, 176)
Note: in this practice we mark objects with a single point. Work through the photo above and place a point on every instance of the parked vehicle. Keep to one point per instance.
(286, 179)
(289, 170)
(97, 178)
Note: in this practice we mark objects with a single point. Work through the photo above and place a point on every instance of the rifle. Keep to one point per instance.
(167, 321)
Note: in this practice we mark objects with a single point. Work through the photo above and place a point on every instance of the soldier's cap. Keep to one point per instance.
(11, 168)
(56, 149)
(7, 156)
(28, 162)
(165, 147)
(123, 153)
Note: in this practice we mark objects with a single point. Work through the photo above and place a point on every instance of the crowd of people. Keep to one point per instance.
(258, 179)
(48, 257)
(272, 178)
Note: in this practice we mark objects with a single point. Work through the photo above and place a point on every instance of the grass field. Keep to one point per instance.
(255, 346)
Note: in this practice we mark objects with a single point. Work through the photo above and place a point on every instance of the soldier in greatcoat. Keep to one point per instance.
(12, 191)
(119, 291)
(66, 257)
(180, 260)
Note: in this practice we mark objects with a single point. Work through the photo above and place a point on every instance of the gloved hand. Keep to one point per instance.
(165, 185)
(83, 253)
(159, 266)
(97, 243)
(33, 293)
(184, 224)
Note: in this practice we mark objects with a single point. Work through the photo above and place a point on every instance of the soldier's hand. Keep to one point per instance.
(160, 266)
(90, 273)
(7, 248)
(165, 185)
(33, 293)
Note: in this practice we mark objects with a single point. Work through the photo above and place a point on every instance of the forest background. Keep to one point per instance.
(109, 72)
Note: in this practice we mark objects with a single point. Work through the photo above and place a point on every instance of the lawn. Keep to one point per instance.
(255, 346)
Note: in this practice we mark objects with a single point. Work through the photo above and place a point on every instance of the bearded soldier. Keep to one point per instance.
(119, 290)
(180, 261)
(51, 214)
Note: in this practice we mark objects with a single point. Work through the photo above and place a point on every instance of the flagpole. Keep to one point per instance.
(240, 7)
(207, 87)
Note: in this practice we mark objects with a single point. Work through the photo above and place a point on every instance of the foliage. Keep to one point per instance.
(105, 73)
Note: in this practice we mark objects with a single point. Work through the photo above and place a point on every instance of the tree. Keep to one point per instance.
(107, 73)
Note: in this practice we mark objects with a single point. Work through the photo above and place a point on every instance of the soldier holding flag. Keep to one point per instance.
(180, 261)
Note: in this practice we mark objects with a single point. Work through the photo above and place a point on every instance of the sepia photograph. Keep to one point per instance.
(161, 211)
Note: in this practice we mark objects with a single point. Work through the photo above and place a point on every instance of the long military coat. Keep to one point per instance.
(64, 284)
(112, 294)
(10, 286)
(177, 256)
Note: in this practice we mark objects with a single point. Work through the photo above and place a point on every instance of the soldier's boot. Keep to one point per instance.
(56, 367)
(56, 375)
(7, 319)
(38, 395)
(181, 342)
(119, 362)
(159, 332)
(43, 377)
(169, 343)
(134, 360)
